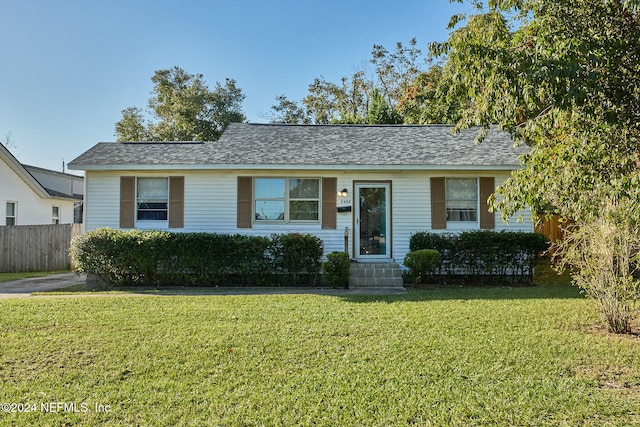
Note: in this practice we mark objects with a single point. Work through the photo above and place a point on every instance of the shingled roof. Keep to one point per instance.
(271, 146)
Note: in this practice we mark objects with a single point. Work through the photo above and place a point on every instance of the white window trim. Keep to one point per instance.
(287, 201)
(464, 225)
(150, 224)
(55, 219)
(15, 211)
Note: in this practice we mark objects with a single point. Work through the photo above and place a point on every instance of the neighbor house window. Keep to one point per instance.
(152, 199)
(287, 199)
(11, 213)
(55, 215)
(462, 199)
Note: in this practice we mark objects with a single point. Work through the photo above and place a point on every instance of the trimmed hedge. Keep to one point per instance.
(421, 264)
(336, 269)
(152, 258)
(483, 256)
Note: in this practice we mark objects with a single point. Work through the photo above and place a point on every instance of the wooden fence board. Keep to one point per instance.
(553, 228)
(36, 247)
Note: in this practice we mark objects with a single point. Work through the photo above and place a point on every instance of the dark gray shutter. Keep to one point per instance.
(438, 204)
(176, 202)
(487, 219)
(245, 196)
(127, 201)
(329, 203)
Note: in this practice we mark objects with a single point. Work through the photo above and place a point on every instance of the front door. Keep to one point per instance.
(372, 221)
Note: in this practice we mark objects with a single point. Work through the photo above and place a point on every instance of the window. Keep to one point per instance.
(77, 212)
(55, 215)
(11, 213)
(152, 199)
(287, 199)
(462, 199)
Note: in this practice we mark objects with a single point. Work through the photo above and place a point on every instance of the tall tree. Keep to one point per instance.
(132, 126)
(564, 77)
(380, 112)
(323, 101)
(427, 100)
(397, 69)
(388, 74)
(288, 112)
(183, 108)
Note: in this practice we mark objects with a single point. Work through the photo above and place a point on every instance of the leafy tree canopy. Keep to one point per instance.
(564, 77)
(397, 86)
(182, 108)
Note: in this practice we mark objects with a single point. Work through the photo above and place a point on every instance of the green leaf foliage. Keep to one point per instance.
(183, 108)
(561, 76)
(152, 258)
(335, 270)
(483, 256)
(396, 86)
(298, 256)
(421, 264)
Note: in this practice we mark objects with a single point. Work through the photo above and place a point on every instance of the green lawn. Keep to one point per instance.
(482, 356)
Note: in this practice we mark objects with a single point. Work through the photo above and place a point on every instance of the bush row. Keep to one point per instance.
(483, 256)
(151, 258)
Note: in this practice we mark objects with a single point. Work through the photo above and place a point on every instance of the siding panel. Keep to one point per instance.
(210, 204)
(31, 208)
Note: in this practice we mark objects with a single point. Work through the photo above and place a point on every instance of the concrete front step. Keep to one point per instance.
(375, 275)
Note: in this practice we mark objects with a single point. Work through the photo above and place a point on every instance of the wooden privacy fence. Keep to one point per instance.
(554, 230)
(36, 247)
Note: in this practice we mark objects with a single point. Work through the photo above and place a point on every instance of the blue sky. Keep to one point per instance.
(69, 67)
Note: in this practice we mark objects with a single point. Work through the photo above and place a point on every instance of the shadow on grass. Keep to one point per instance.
(360, 295)
(473, 293)
(549, 285)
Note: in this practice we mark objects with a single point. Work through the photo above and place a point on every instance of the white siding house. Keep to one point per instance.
(26, 201)
(264, 179)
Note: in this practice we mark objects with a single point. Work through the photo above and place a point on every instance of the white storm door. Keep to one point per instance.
(372, 226)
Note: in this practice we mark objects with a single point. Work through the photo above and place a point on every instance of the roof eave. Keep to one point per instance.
(19, 169)
(146, 167)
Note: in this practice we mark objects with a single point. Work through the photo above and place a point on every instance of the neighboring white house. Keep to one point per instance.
(374, 185)
(32, 196)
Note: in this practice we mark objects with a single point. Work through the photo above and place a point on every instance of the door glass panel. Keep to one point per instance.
(373, 221)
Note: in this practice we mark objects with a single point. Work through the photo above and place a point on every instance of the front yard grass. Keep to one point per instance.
(457, 356)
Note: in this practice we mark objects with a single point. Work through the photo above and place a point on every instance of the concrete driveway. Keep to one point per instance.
(25, 287)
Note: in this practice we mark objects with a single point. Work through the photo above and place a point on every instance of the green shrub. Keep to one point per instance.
(421, 264)
(484, 255)
(119, 258)
(335, 270)
(208, 259)
(152, 258)
(298, 256)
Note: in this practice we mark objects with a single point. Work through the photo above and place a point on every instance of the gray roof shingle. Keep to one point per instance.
(245, 145)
